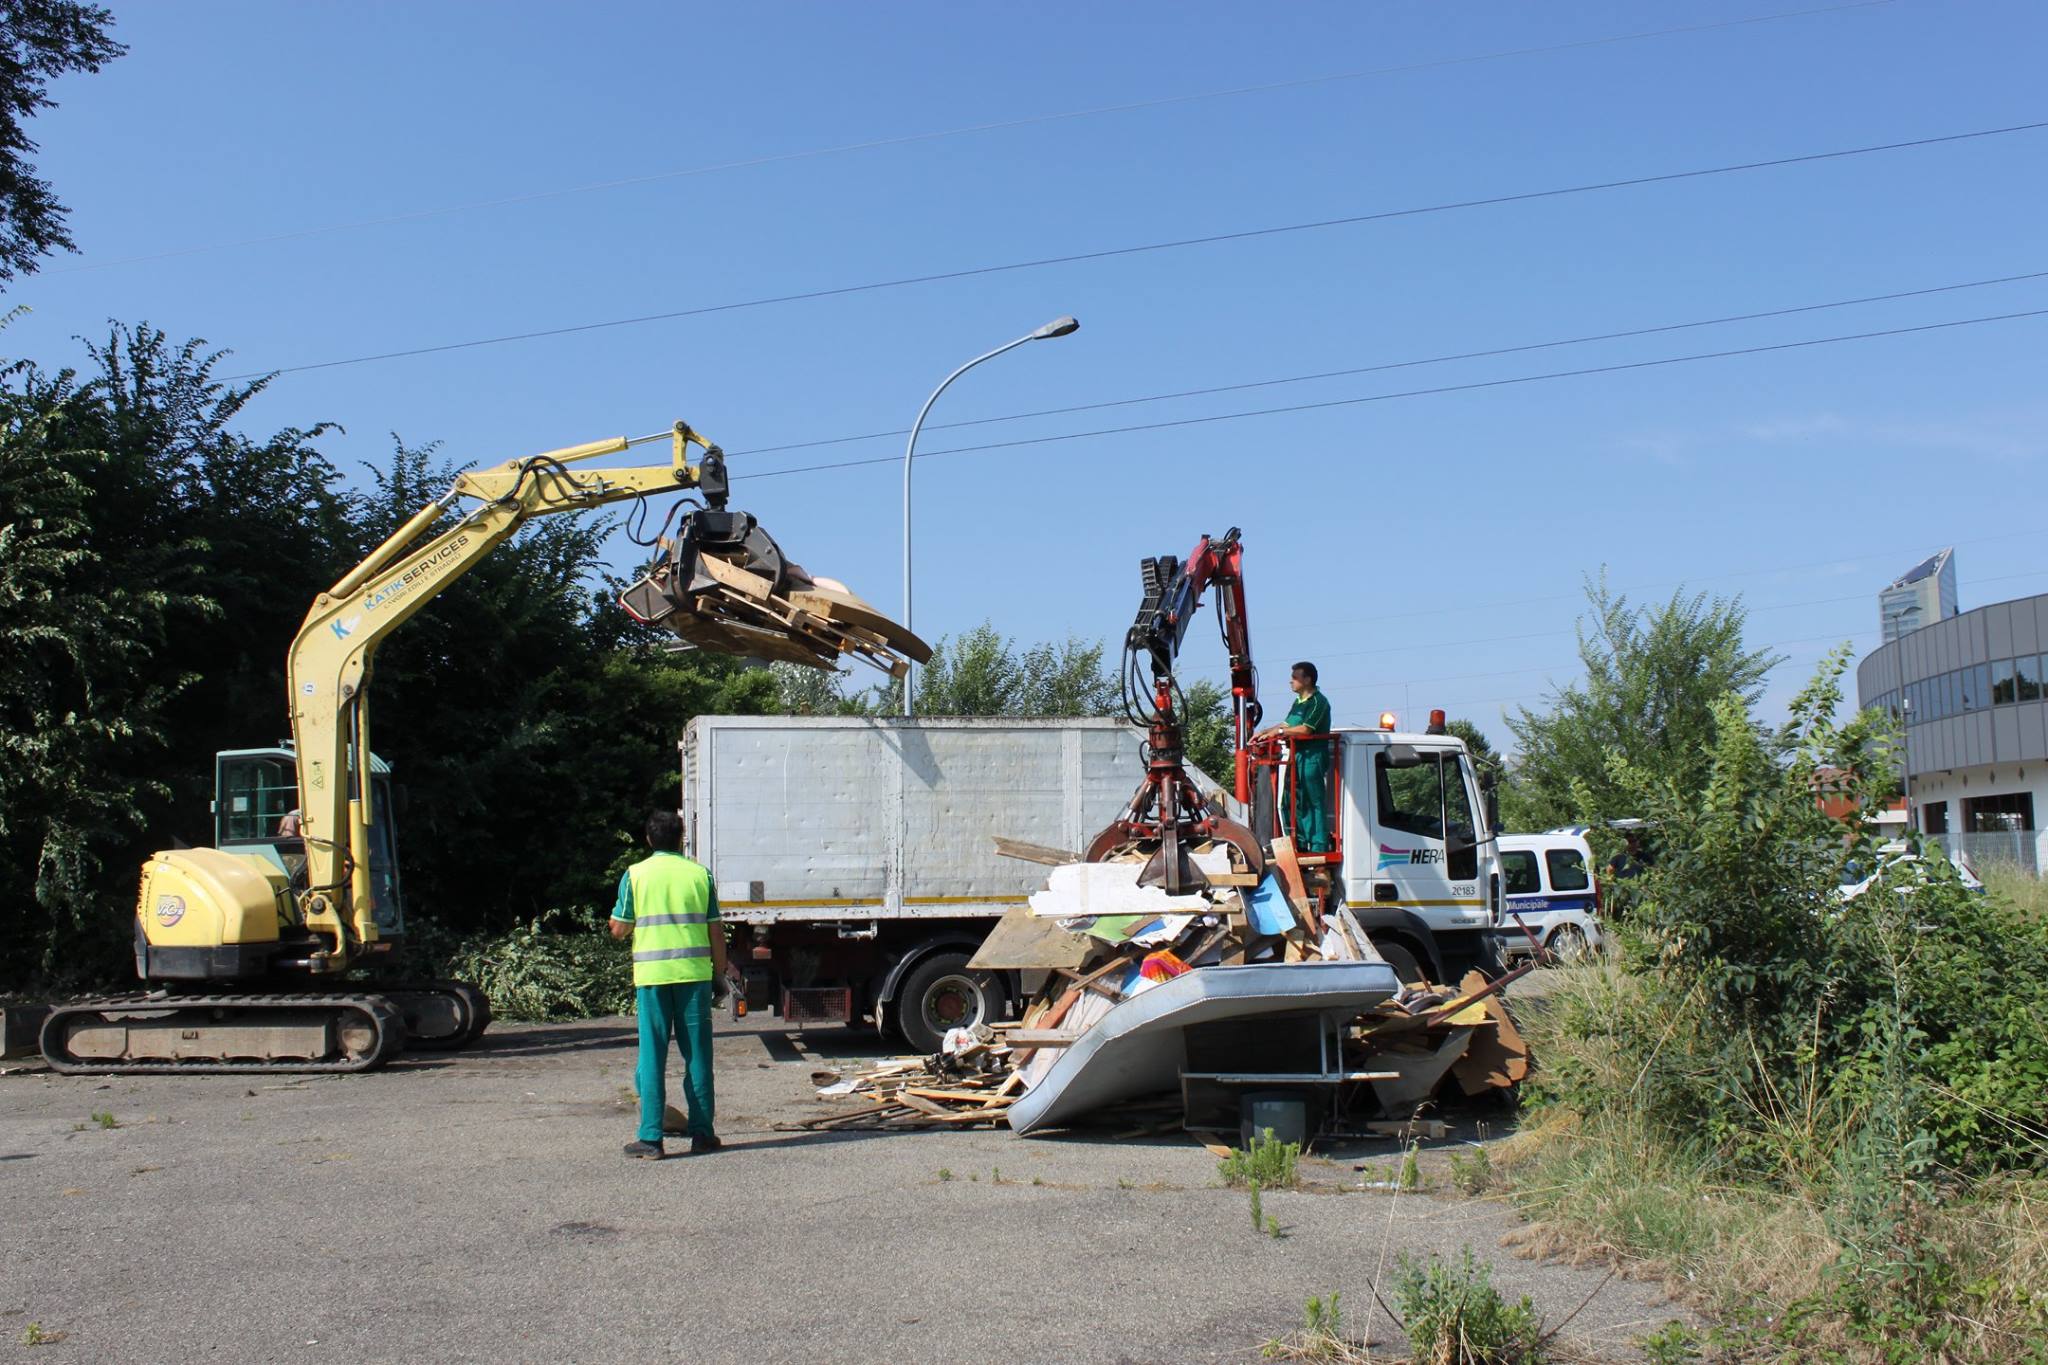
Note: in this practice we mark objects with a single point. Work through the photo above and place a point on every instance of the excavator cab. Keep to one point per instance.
(255, 812)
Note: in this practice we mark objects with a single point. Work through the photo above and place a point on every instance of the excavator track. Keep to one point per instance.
(153, 1033)
(440, 1016)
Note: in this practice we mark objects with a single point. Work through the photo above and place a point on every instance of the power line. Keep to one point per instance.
(1563, 634)
(1405, 393)
(1212, 239)
(1326, 625)
(907, 139)
(1404, 364)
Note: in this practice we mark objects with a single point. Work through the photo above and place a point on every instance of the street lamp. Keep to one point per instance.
(1058, 327)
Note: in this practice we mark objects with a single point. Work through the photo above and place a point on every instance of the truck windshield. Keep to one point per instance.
(1424, 794)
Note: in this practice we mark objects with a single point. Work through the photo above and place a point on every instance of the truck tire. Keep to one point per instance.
(1401, 960)
(939, 994)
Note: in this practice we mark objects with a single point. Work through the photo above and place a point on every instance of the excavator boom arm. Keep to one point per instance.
(329, 665)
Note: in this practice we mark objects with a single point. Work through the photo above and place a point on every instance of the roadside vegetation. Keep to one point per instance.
(1823, 1121)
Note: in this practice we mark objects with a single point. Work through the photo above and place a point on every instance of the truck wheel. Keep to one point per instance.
(1401, 960)
(940, 994)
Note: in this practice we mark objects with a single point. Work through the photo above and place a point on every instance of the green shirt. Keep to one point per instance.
(672, 905)
(1312, 711)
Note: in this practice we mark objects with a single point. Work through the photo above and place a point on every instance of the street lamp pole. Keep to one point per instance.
(1058, 327)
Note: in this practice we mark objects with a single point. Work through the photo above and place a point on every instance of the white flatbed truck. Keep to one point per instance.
(856, 866)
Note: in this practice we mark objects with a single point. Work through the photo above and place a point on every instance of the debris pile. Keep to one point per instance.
(973, 1082)
(1101, 941)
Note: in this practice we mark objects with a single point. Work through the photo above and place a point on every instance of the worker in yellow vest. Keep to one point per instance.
(667, 902)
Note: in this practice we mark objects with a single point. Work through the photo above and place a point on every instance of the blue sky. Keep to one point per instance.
(1426, 551)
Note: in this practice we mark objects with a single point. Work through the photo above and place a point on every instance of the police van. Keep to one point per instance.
(1553, 891)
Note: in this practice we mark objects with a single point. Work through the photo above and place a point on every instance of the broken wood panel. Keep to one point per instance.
(1033, 853)
(1022, 941)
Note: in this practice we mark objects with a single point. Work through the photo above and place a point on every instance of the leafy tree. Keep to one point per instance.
(39, 41)
(1653, 677)
(83, 710)
(1206, 729)
(814, 692)
(169, 533)
(1066, 679)
(975, 674)
(1489, 766)
(981, 673)
(247, 531)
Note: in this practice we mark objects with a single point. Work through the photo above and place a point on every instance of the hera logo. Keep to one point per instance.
(1408, 857)
(169, 910)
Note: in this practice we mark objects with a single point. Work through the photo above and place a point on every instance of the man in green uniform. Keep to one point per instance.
(1308, 797)
(668, 904)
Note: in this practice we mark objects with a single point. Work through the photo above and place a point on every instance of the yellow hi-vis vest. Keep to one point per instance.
(672, 907)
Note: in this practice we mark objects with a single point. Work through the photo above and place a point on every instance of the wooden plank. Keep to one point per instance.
(1114, 964)
(1288, 864)
(1033, 853)
(850, 610)
(733, 576)
(1040, 1037)
(953, 1096)
(1239, 879)
(1050, 1019)
(923, 1105)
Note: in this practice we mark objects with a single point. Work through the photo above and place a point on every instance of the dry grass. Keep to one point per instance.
(2027, 894)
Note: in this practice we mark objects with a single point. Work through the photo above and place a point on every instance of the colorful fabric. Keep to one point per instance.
(1161, 966)
(672, 905)
(681, 1011)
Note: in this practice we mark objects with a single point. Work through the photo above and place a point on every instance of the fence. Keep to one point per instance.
(2015, 848)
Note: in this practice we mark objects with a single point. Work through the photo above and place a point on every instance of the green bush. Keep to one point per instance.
(555, 967)
(1453, 1315)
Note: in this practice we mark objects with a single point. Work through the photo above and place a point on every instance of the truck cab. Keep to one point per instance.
(1415, 858)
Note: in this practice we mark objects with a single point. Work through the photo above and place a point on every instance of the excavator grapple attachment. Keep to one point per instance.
(724, 584)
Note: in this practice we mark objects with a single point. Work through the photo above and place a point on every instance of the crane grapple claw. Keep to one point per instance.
(725, 585)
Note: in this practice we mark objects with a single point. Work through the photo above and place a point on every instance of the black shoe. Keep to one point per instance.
(645, 1151)
(703, 1146)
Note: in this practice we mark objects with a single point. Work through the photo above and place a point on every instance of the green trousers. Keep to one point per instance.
(682, 1012)
(1308, 804)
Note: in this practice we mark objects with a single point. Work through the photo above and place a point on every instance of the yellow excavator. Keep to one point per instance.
(252, 953)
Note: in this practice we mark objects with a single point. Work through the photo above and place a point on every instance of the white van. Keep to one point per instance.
(1551, 888)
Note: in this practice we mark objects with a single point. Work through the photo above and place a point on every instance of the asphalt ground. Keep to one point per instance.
(477, 1207)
